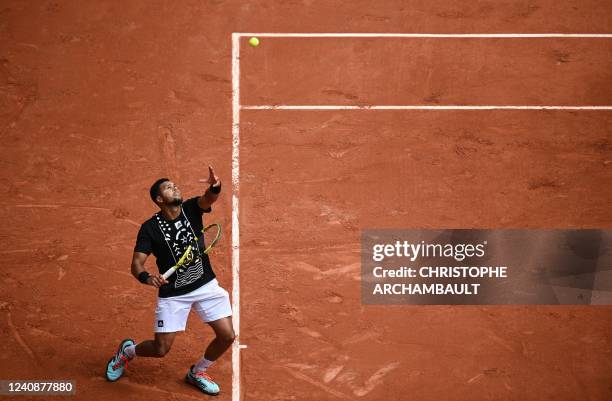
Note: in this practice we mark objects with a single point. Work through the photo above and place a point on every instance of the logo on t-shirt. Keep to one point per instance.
(160, 323)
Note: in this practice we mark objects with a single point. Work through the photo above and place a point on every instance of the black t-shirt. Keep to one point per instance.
(168, 240)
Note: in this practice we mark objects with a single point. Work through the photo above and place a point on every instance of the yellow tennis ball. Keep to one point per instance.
(254, 42)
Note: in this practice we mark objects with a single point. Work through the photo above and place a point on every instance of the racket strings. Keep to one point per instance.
(194, 253)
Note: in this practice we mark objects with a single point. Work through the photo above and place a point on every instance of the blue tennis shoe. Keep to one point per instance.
(202, 381)
(118, 363)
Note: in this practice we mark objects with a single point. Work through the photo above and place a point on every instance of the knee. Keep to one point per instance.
(161, 349)
(228, 337)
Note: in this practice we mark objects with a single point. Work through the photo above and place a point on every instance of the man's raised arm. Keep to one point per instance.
(212, 192)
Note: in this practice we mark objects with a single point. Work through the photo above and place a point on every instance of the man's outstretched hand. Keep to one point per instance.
(212, 193)
(212, 177)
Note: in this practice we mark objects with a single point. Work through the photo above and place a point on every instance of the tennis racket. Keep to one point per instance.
(191, 252)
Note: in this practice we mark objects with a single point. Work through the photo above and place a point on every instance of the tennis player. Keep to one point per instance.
(167, 235)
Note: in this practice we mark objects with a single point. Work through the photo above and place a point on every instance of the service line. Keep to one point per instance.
(419, 107)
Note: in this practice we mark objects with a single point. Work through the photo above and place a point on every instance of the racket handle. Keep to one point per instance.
(168, 273)
(171, 270)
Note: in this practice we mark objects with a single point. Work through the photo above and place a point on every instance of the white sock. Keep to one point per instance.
(130, 351)
(202, 365)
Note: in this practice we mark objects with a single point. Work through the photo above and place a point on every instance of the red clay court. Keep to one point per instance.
(348, 115)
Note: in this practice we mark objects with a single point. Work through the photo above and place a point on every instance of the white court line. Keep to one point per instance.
(235, 214)
(427, 35)
(236, 107)
(424, 35)
(415, 107)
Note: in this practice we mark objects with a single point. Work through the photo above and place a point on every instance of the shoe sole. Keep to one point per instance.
(112, 357)
(188, 381)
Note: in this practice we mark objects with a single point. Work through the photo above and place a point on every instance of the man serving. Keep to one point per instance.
(167, 235)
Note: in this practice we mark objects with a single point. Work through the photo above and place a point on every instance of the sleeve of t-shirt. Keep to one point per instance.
(143, 241)
(193, 208)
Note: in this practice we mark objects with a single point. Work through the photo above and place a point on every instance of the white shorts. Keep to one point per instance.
(210, 301)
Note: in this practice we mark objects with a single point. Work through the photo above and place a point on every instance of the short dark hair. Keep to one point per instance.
(154, 191)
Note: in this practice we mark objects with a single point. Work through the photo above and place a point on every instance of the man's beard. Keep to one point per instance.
(177, 202)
